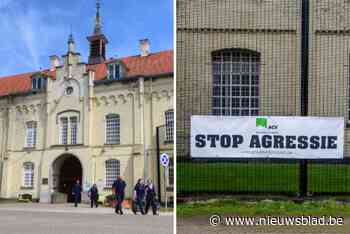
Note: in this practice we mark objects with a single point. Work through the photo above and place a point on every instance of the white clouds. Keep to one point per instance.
(29, 35)
(27, 25)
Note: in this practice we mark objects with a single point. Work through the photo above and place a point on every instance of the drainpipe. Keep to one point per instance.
(305, 39)
(45, 112)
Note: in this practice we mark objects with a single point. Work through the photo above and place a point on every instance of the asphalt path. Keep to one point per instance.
(66, 219)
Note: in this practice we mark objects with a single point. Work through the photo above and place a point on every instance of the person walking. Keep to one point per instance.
(139, 194)
(119, 188)
(77, 193)
(151, 198)
(93, 192)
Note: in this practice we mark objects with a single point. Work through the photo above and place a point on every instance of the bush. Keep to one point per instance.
(109, 199)
(25, 197)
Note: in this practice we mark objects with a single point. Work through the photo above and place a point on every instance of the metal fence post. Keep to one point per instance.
(305, 21)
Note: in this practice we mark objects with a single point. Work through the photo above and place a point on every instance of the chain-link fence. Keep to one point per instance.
(267, 58)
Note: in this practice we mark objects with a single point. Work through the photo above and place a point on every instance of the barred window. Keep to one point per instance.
(112, 129)
(169, 125)
(236, 82)
(28, 174)
(112, 171)
(64, 130)
(31, 134)
(73, 129)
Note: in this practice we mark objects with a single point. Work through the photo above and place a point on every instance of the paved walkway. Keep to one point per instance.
(66, 208)
(66, 219)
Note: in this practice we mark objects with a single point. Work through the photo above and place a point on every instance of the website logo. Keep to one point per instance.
(263, 123)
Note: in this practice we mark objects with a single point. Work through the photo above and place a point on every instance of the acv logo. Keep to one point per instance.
(262, 122)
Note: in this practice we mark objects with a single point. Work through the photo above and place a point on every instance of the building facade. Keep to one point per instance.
(88, 121)
(246, 57)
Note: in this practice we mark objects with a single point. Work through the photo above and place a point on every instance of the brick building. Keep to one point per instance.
(88, 121)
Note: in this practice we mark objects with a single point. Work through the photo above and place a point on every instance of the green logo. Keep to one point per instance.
(261, 122)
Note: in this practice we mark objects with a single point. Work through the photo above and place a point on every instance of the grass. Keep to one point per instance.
(169, 209)
(260, 177)
(263, 208)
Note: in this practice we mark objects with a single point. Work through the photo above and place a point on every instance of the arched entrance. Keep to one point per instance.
(67, 169)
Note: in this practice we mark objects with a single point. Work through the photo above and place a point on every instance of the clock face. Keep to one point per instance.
(69, 90)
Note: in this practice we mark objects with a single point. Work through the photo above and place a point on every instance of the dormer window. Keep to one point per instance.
(39, 83)
(114, 71)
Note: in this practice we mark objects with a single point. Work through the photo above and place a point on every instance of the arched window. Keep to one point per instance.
(28, 174)
(113, 129)
(236, 82)
(112, 171)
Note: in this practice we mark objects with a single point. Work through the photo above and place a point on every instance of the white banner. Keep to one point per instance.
(267, 137)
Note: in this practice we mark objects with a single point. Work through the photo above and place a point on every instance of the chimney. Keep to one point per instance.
(144, 47)
(55, 62)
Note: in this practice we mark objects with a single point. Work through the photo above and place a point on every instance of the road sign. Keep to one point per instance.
(164, 160)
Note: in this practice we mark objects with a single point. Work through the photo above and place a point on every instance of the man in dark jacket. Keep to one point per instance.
(119, 190)
(93, 192)
(139, 194)
(77, 193)
(151, 197)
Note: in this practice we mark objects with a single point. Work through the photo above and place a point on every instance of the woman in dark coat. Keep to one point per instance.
(151, 198)
(139, 194)
(77, 193)
(93, 192)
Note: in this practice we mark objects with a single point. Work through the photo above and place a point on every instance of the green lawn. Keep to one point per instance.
(259, 177)
(263, 208)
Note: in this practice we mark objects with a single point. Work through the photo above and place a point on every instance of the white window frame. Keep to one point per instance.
(73, 124)
(117, 134)
(112, 170)
(31, 134)
(28, 175)
(61, 136)
(113, 75)
(230, 66)
(169, 125)
(35, 83)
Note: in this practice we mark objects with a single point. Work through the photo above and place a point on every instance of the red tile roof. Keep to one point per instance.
(151, 65)
(20, 83)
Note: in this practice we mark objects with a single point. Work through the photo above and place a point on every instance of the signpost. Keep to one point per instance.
(164, 160)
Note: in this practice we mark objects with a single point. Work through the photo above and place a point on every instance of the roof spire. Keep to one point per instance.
(70, 38)
(98, 26)
(71, 44)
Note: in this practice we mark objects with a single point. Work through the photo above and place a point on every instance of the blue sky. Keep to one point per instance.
(33, 30)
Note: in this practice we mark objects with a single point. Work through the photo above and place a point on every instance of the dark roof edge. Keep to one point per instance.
(24, 93)
(133, 78)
